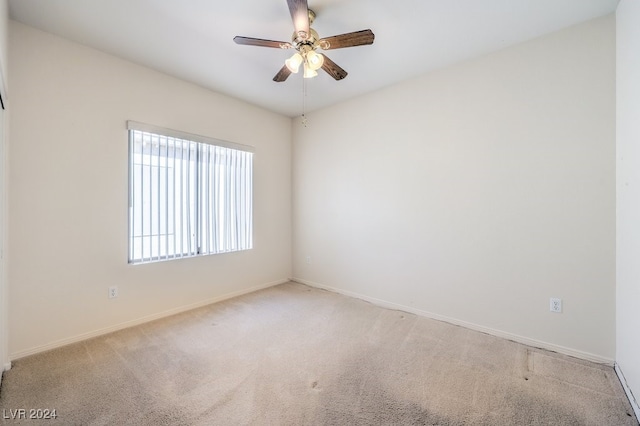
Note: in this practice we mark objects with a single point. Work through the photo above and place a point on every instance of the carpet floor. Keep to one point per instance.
(295, 355)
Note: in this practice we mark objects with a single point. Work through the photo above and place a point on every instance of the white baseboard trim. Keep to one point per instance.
(498, 333)
(627, 390)
(148, 318)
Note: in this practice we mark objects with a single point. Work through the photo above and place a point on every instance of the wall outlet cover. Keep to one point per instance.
(555, 305)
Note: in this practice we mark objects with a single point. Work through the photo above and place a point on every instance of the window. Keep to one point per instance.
(188, 195)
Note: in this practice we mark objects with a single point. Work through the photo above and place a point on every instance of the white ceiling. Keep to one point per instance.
(193, 39)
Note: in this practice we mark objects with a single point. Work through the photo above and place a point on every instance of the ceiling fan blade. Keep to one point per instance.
(333, 69)
(300, 15)
(250, 41)
(282, 75)
(357, 38)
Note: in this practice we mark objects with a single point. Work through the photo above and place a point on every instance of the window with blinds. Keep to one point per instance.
(188, 195)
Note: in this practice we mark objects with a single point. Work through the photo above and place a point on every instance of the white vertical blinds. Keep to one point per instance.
(187, 197)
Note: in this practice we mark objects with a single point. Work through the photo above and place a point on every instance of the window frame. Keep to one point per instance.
(231, 175)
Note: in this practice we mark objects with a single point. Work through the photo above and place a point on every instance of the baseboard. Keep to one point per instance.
(132, 323)
(627, 390)
(498, 333)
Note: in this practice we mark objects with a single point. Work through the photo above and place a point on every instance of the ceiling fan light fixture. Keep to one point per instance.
(315, 60)
(309, 72)
(294, 62)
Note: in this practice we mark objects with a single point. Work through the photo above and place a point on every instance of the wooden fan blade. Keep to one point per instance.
(282, 75)
(250, 41)
(300, 15)
(357, 38)
(333, 69)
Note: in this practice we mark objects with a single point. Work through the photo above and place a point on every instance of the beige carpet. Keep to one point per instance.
(293, 355)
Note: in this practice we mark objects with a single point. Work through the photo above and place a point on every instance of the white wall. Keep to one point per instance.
(474, 193)
(4, 347)
(628, 193)
(68, 192)
(4, 33)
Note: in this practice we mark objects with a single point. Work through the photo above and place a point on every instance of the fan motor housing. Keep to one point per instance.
(311, 40)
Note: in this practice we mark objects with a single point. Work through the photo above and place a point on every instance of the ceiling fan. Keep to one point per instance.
(305, 41)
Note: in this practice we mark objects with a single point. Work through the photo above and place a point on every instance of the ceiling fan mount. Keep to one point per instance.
(305, 41)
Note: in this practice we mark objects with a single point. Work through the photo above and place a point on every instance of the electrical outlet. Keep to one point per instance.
(555, 305)
(308, 260)
(113, 292)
